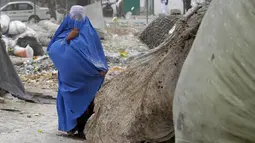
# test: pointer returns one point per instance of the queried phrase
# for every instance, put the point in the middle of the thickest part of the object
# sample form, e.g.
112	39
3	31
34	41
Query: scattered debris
23	52
39	70
37	114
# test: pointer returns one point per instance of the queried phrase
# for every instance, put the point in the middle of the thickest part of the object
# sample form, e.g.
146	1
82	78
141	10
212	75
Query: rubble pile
36	69
38	72
45	30
136	106
19	39
42	73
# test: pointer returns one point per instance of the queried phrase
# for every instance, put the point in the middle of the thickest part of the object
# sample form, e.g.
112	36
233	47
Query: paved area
22	122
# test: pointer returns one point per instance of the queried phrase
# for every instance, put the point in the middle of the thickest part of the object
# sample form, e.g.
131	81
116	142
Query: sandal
72	132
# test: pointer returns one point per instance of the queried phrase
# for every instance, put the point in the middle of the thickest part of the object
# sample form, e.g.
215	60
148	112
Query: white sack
17	27
48	25
4	21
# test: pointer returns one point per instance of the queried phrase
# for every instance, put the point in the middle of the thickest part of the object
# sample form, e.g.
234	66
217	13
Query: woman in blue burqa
77	54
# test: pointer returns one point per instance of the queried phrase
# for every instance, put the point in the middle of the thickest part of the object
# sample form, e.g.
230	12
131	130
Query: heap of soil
136	106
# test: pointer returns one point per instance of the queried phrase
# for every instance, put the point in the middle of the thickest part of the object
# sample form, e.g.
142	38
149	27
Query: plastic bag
214	97
4	22
24	52
17	27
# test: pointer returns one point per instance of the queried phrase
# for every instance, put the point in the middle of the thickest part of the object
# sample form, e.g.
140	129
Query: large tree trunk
137	105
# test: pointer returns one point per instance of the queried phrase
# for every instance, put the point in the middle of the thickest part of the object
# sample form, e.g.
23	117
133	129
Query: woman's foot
81	135
72	132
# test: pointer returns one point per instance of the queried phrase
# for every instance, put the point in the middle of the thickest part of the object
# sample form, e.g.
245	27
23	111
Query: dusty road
29	123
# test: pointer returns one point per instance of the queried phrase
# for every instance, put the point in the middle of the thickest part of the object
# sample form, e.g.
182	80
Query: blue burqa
79	64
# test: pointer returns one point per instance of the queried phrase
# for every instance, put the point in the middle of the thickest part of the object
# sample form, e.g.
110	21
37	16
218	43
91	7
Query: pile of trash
19	39
29	39
41	72
37	72
37	69
136	106
45	30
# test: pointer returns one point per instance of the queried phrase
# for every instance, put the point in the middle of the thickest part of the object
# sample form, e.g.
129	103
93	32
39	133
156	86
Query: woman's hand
102	73
74	33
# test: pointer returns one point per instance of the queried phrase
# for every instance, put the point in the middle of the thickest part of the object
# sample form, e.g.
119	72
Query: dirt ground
25	122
